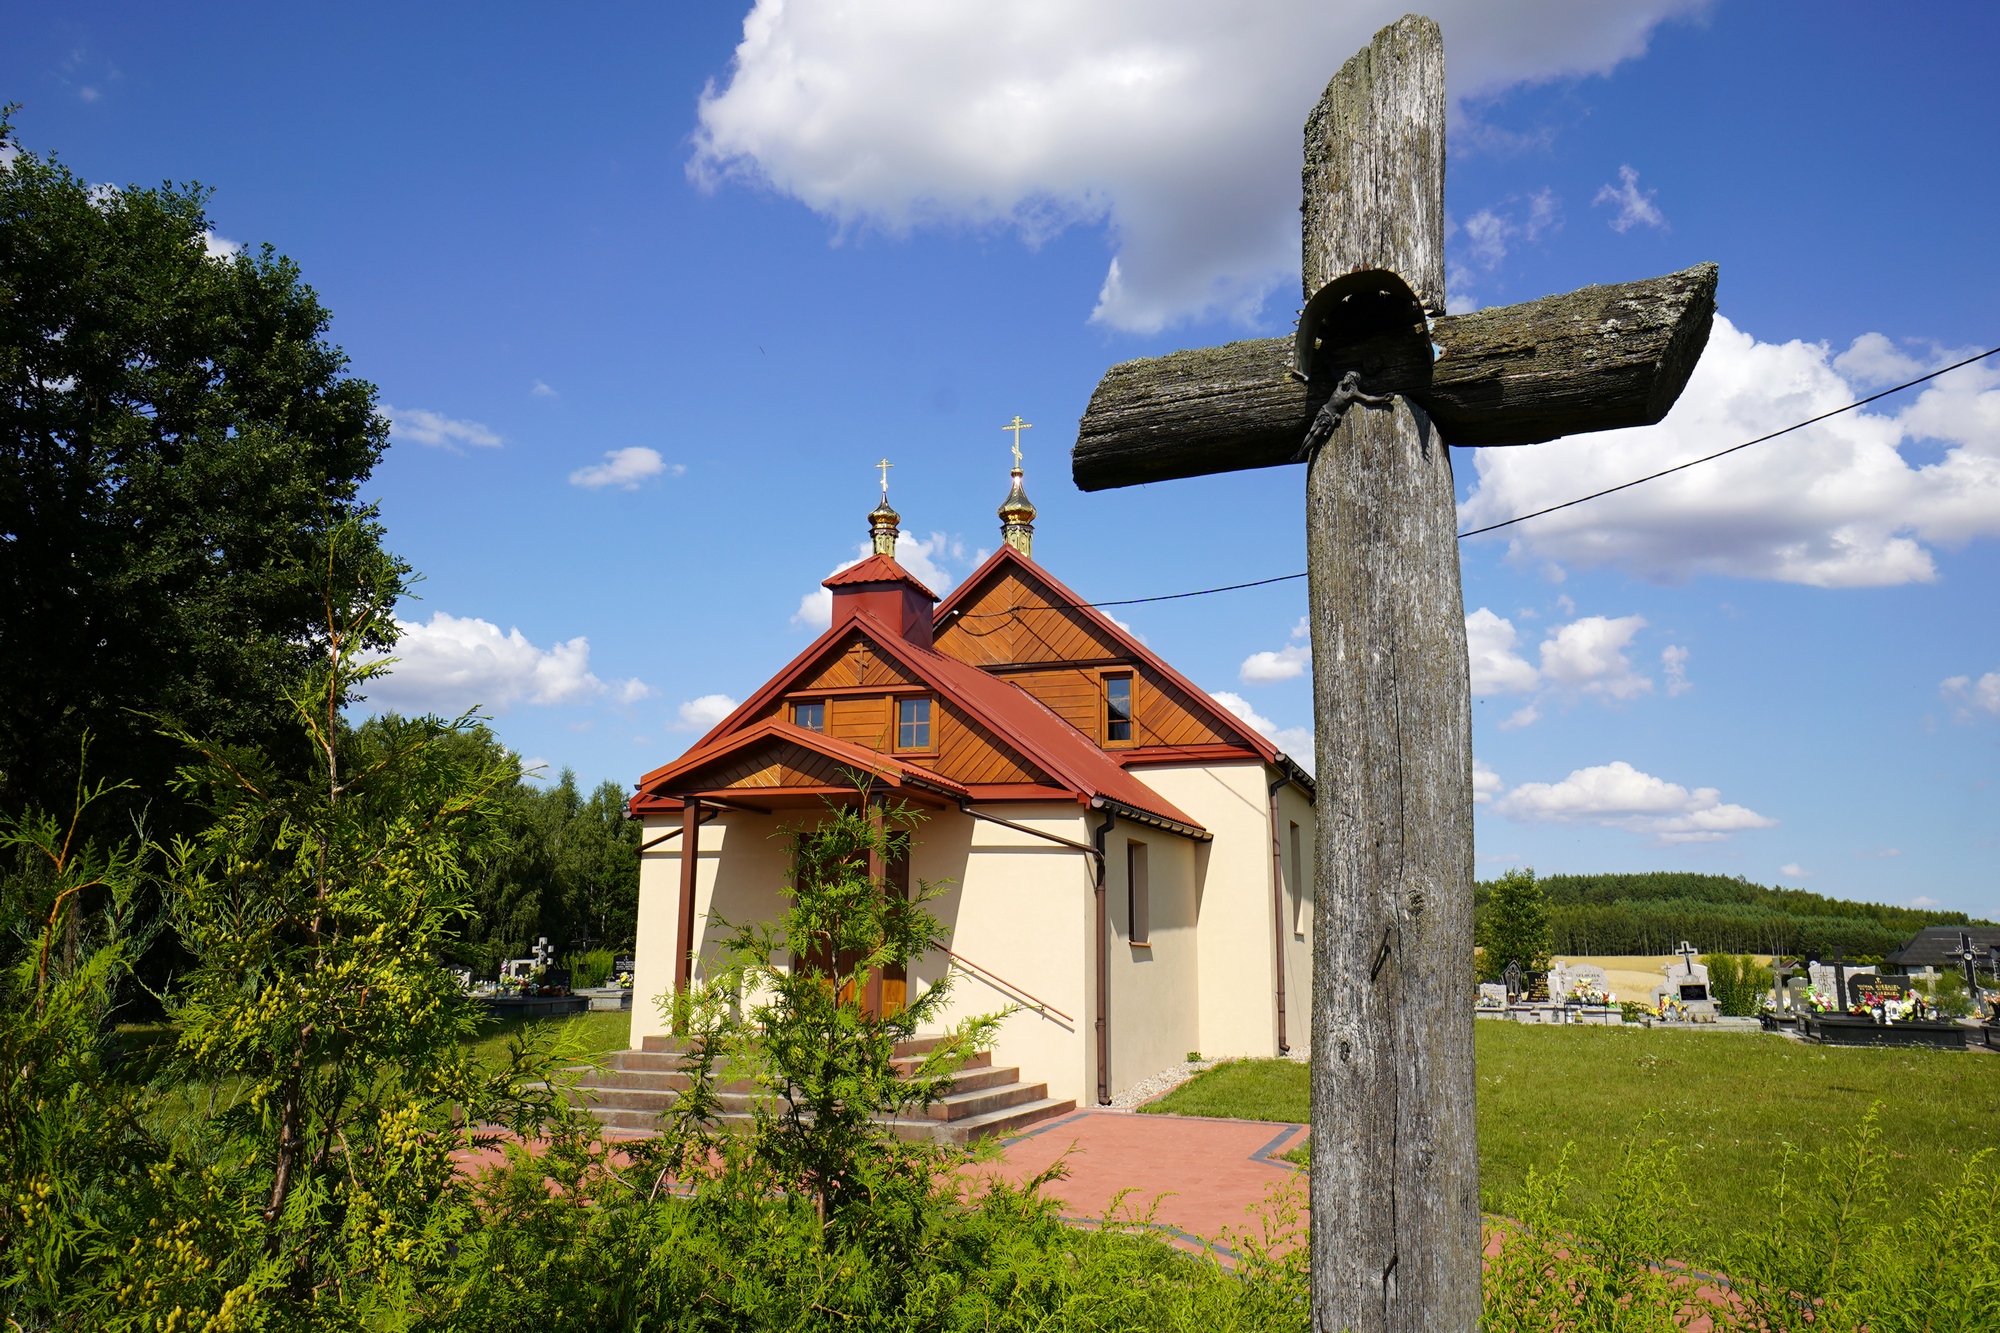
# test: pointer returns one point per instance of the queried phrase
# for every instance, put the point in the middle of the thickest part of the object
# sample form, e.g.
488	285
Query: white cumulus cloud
219	247
1486	784
1968	694
1674	665
423	426
919	556
623	468
1633	207
1296	743
1496	668
1793	870
451	663
1286	663
1177	123
1584	658
1587	657
1617	795
702	713
1835	505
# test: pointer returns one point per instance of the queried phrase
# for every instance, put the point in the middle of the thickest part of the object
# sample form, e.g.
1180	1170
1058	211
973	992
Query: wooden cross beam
1395	1170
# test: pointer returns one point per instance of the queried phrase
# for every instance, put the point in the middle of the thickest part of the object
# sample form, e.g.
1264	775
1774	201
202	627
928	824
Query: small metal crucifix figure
1368	393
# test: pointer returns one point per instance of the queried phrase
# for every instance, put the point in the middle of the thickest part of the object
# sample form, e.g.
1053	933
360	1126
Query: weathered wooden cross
1377	381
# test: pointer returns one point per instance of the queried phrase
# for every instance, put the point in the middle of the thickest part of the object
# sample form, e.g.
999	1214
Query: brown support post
1278	911
878	875
690	855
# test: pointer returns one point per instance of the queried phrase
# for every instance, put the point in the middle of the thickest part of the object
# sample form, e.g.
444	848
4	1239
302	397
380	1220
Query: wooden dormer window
913	724
1117	708
810	717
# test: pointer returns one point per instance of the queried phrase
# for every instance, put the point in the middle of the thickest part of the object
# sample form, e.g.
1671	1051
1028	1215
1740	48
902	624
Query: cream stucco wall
1022	908
1155	1005
739	870
1238	943
1019	907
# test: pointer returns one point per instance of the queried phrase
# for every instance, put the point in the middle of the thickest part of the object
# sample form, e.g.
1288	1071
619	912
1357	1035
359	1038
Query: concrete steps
985	1099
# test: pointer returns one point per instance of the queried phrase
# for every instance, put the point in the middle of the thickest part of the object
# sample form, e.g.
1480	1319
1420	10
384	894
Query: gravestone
1687	985
1565	977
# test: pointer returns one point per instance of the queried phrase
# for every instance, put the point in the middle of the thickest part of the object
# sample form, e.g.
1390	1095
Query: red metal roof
1017	717
893	772
876	569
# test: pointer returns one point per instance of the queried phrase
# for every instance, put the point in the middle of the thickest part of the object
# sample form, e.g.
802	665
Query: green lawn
598	1034
1728	1100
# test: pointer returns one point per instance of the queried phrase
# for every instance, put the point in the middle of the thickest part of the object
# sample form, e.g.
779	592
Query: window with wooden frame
1118	708
810	716
1297	868
1138	894
913	724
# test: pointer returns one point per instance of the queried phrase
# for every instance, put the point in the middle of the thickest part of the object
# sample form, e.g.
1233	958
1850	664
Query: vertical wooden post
1395	1172
878	875
690	858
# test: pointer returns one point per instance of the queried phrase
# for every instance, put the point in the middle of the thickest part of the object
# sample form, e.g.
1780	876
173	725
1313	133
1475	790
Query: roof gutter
1137	816
1103	932
1298	777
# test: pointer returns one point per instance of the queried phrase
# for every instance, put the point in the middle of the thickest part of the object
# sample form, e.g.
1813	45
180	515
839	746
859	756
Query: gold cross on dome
883	467
1017	426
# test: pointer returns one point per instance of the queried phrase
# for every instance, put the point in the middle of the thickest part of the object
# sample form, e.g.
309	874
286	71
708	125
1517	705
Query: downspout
1103	1024
1278	908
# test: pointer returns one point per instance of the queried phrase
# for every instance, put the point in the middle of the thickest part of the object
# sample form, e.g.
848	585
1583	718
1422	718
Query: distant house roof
1928	947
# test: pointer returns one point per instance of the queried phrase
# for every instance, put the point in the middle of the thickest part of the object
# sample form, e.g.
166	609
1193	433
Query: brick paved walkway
1206	1174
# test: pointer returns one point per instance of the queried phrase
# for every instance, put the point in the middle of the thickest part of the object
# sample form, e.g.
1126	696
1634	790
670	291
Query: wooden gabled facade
1128	853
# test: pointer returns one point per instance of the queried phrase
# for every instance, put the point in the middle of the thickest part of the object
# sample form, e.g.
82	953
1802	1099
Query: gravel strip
1160	1084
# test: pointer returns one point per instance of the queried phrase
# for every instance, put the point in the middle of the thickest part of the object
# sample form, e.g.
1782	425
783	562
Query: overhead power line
1709	458
1537	513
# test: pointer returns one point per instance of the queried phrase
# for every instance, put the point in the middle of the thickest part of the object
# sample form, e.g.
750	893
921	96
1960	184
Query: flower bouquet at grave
1587	992
1819	1001
624	979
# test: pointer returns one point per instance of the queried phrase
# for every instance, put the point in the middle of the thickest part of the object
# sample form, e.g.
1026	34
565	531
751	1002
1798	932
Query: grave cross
1688	953
1968	955
1373	386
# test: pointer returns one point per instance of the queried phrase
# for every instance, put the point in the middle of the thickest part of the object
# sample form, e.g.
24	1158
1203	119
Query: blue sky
649	307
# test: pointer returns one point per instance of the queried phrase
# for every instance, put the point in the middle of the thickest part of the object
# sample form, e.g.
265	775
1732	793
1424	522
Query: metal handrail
996	979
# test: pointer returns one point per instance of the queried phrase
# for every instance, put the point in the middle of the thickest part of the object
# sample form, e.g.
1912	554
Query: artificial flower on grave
625	980
1585	992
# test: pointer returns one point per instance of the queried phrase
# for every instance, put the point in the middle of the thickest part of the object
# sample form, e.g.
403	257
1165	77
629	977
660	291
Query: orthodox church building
1129	862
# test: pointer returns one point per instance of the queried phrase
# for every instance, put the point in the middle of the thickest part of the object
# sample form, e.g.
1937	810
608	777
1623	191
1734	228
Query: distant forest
1653	913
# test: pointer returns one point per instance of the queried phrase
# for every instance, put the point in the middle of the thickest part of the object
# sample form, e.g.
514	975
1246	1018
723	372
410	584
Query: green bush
589	969
1737	984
